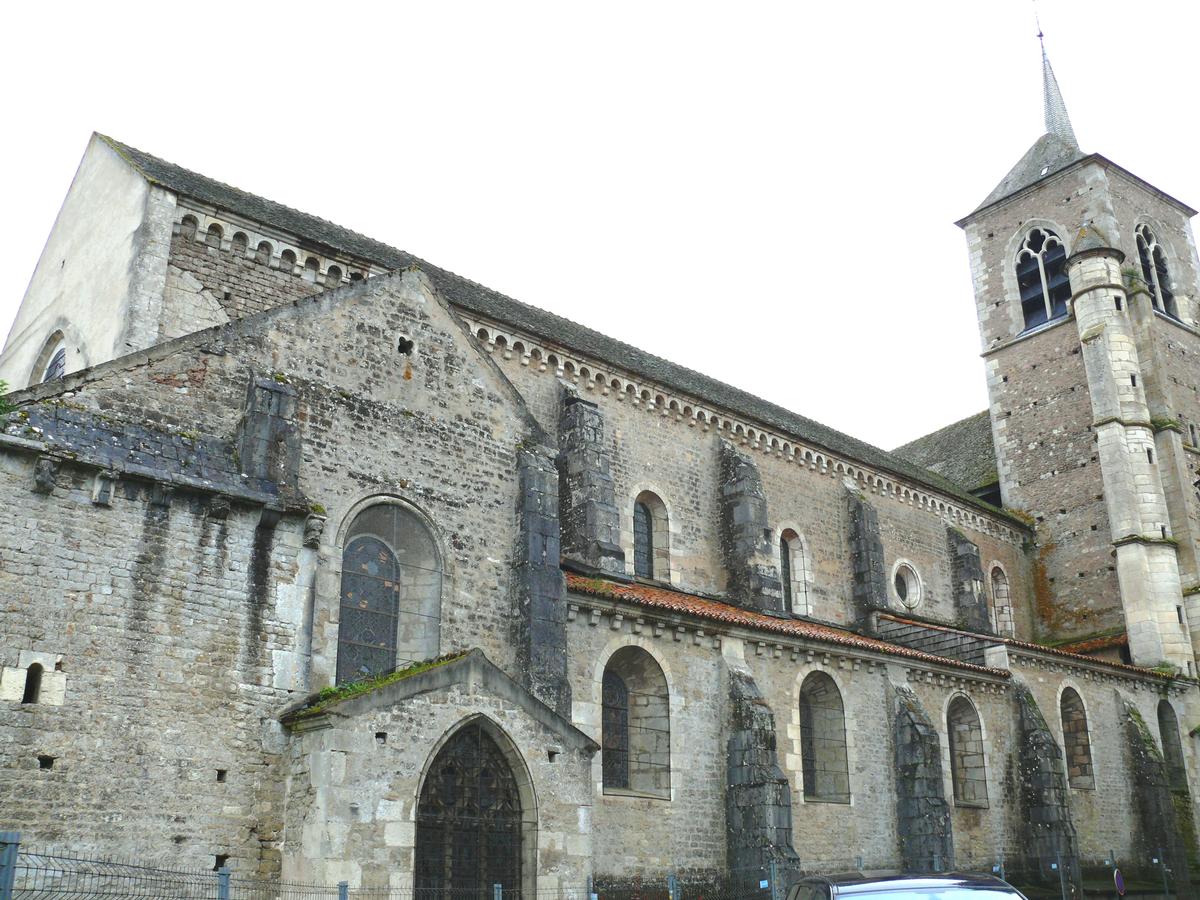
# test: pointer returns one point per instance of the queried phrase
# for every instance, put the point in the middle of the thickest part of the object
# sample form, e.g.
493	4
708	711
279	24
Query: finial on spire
1058	123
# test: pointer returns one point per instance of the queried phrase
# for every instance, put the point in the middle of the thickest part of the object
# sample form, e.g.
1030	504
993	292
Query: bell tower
1091	353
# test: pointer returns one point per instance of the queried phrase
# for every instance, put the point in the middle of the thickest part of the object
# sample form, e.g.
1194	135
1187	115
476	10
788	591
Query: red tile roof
713	610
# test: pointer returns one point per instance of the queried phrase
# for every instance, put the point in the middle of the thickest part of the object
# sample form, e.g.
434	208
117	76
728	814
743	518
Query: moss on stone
327	697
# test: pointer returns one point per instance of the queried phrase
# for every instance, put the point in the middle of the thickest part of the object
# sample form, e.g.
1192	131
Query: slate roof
1048	155
482	301
962	452
1053	651
201	461
713	610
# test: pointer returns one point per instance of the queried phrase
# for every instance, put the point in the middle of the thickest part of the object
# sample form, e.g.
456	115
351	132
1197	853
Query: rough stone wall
194	628
590	522
922	813
209	285
356	775
171	663
679	460
967	579
1049	833
746	544
758	801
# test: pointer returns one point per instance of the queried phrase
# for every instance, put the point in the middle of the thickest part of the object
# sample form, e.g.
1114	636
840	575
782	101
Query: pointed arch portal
469	820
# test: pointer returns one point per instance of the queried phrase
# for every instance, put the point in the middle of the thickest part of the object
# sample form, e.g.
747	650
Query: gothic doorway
470	828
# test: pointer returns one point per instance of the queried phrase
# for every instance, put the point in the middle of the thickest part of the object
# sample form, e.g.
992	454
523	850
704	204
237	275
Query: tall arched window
1077	746
967	769
1002	603
1168	730
794	572
1154	271
1042	277
33	684
651	538
635	725
391	593
825	770
470	820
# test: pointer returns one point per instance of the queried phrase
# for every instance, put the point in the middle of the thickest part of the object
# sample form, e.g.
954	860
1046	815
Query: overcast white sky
762	191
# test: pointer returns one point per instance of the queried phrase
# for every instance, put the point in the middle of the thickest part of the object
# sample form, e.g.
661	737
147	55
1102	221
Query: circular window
907	585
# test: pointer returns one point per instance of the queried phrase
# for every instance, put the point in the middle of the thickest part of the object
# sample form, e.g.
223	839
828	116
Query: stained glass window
390	594
643	541
615	728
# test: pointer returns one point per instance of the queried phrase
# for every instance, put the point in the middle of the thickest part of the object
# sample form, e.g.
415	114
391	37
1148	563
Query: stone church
324	563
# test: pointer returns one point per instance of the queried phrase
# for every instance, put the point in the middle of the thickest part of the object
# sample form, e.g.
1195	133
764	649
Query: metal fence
31	875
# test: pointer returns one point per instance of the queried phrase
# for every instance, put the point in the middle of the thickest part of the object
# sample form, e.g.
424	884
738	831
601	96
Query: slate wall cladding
967	580
1049	832
1164	817
758	797
746	544
591	524
541	617
866	548
922	813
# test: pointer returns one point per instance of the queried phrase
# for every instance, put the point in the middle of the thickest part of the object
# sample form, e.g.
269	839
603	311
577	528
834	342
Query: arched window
794	572
635	725
823	740
1042	277
263	253
333	276
57	366
470	820
188	226
311	267
651	549
1154	272
287	262
33	684
1077	746
213	237
391	593
1002	603
967	770
239	242
1168	730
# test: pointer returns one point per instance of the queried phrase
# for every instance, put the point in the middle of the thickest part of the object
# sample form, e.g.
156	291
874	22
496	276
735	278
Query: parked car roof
852	884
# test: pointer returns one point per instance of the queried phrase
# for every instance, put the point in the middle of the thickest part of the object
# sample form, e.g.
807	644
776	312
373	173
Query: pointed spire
1058	123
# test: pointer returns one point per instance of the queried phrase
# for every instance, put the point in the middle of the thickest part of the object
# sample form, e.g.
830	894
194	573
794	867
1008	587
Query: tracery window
1002	603
651	538
635	725
1172	747
1154	271
1042	277
967	770
794	572
390	593
824	766
469	820
1077	746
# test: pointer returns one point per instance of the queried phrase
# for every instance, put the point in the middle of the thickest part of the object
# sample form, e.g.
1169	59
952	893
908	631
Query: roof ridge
489	303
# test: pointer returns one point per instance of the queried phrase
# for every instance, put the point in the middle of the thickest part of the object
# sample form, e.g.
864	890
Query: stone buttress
922	813
745	538
590	521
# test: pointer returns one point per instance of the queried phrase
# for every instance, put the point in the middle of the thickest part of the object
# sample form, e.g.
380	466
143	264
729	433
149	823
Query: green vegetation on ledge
326	697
